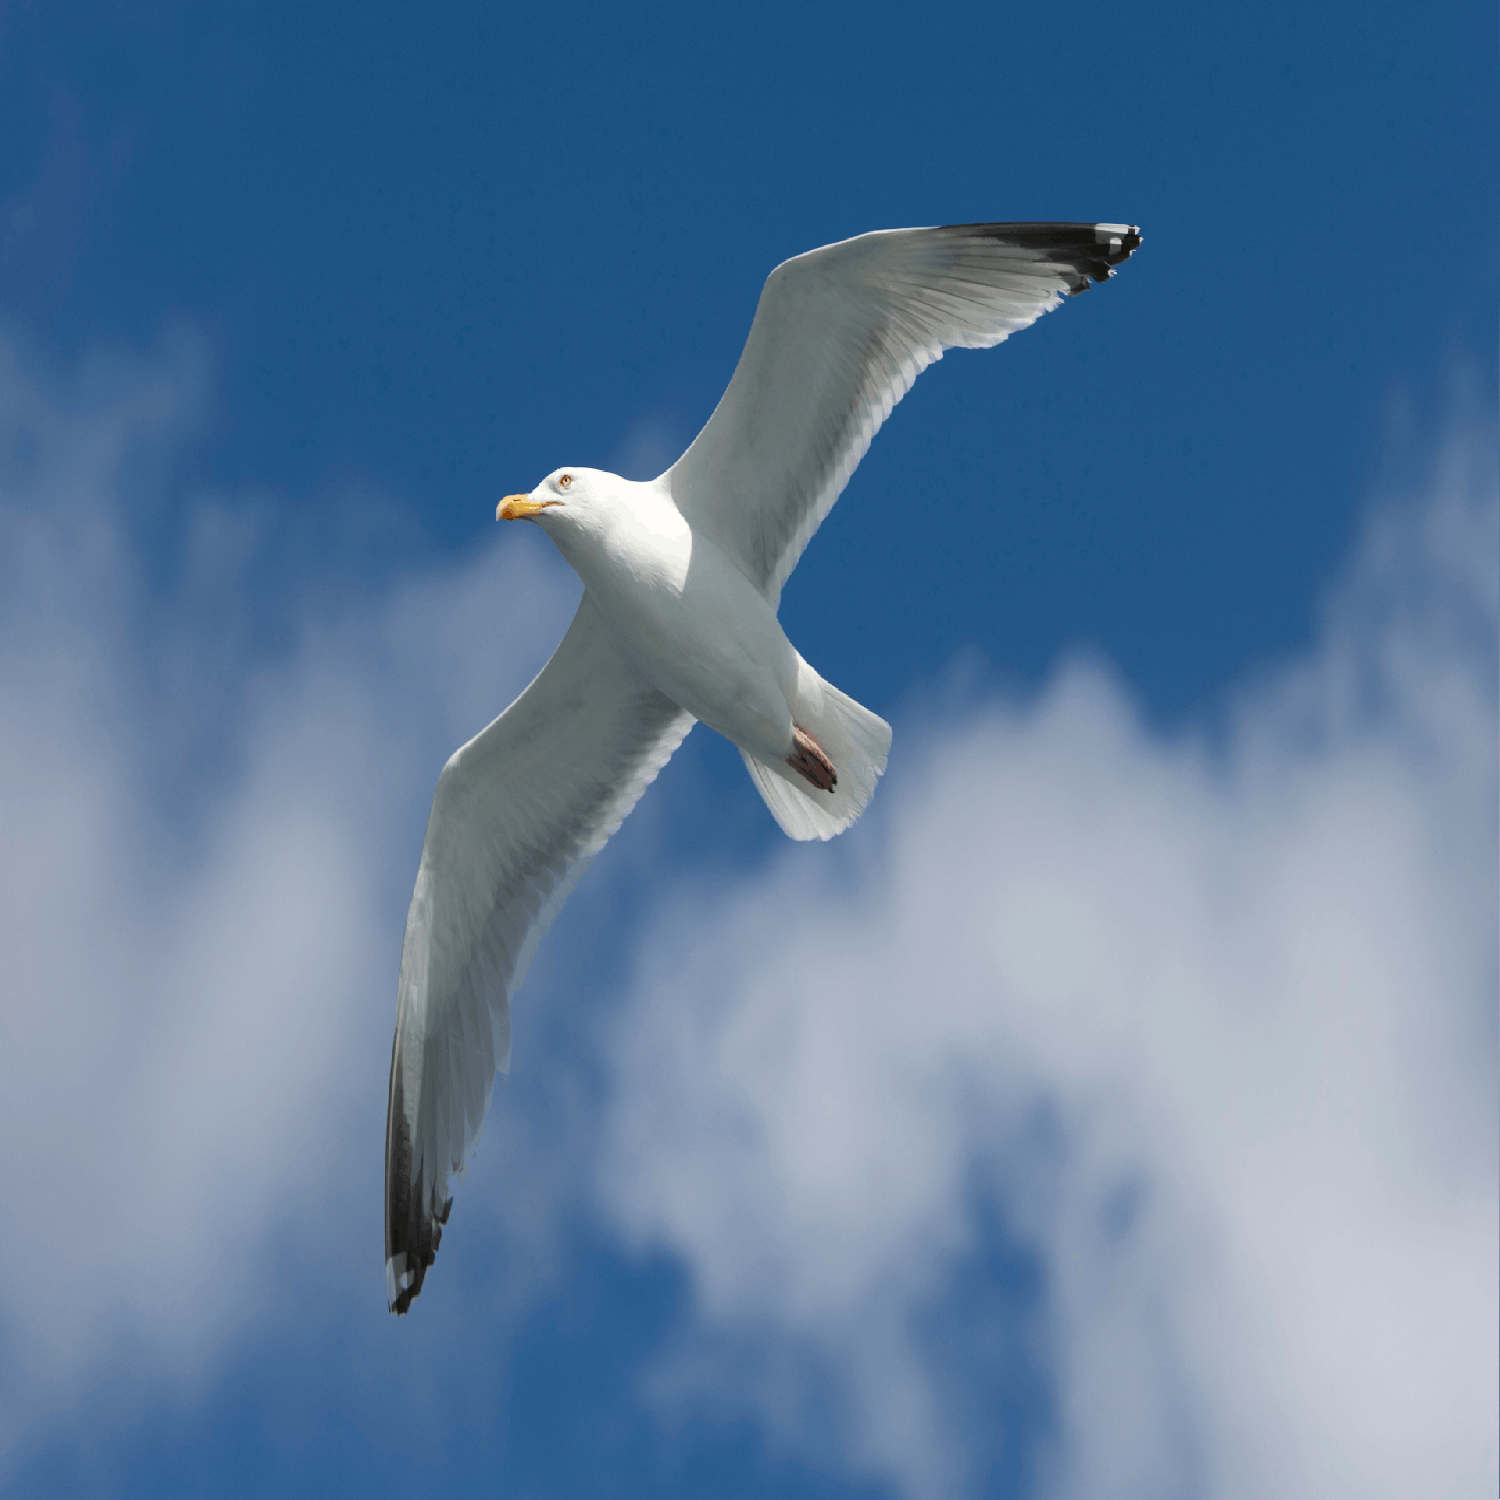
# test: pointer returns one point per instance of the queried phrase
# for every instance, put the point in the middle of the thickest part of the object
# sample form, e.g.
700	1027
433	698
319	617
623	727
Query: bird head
570	494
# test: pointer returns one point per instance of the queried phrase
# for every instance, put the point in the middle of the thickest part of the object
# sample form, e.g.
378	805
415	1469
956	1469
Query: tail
854	739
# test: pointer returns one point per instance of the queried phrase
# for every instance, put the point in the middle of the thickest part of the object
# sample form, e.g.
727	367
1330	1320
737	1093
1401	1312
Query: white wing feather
518	814
838	338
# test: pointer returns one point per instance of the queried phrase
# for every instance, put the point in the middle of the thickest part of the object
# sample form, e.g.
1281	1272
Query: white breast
692	622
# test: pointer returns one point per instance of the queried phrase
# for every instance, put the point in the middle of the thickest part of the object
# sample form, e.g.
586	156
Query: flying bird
682	579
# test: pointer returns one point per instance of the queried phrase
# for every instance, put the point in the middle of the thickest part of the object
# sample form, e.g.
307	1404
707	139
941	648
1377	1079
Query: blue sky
1124	1125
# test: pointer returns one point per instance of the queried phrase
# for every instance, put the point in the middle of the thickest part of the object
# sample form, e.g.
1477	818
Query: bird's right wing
518	814
839	336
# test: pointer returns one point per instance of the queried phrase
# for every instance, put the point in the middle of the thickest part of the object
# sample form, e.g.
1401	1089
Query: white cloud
207	851
1214	1026
1213	1018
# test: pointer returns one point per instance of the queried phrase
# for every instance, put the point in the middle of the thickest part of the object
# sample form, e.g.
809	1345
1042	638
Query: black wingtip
413	1218
411	1247
1088	253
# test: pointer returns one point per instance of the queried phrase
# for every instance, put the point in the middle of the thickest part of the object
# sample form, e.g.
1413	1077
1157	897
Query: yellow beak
521	508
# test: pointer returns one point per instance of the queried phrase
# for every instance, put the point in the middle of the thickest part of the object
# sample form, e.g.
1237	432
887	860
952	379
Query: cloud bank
1207	1023
205	845
1156	1075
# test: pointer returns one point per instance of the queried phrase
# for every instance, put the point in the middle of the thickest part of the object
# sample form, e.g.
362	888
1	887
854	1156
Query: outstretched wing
518	814
838	338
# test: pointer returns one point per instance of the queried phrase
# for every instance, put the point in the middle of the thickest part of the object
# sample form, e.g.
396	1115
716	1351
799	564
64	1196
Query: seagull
682	579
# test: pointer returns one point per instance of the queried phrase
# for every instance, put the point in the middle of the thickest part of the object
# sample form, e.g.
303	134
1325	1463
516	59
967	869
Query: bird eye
564	480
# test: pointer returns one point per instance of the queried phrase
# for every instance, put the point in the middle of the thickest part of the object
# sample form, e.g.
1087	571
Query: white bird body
695	626
682	581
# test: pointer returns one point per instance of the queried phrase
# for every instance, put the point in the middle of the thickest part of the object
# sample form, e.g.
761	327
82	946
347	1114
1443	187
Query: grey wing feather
838	338
518	814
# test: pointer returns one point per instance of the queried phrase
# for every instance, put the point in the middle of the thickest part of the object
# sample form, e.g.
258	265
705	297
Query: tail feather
854	739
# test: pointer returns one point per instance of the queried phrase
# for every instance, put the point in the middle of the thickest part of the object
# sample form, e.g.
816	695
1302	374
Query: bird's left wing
839	336
518	814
